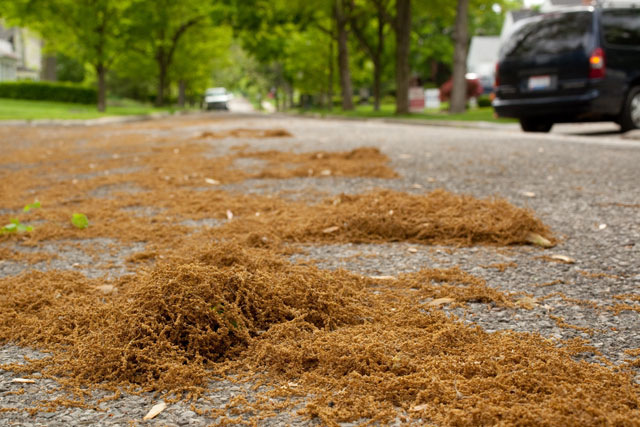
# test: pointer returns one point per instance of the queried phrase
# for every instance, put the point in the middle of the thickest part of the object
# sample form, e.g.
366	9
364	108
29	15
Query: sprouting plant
30	206
15	226
79	220
219	308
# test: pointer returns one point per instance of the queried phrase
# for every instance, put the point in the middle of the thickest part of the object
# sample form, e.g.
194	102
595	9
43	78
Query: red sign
416	99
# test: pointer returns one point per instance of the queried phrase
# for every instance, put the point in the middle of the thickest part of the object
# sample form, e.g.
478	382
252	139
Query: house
20	54
512	17
553	5
481	60
8	61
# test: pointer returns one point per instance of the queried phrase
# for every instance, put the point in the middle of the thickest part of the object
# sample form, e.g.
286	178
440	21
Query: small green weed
79	220
31	206
15	226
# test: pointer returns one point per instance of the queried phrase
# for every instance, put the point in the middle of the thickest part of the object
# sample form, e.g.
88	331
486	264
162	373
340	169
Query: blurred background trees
306	53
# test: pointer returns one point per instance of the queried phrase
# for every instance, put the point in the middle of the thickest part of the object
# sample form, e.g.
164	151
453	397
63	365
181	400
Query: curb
95	122
633	134
403	121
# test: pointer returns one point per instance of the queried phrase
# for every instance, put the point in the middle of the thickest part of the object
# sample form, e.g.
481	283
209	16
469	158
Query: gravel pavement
586	188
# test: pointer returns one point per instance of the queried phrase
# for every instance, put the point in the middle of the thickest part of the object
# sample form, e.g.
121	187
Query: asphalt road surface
585	187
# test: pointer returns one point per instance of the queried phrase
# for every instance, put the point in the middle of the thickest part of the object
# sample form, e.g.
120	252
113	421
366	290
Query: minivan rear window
550	35
621	27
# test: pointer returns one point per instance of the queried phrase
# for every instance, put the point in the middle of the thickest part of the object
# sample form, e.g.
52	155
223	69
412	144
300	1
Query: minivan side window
551	35
621	27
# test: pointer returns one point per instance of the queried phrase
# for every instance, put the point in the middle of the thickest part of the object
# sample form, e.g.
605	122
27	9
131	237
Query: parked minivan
576	65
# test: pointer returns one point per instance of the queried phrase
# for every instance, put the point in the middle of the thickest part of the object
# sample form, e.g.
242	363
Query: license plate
539	82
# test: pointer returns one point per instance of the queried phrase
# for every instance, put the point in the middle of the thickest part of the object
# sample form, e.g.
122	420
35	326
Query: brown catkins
353	352
209	292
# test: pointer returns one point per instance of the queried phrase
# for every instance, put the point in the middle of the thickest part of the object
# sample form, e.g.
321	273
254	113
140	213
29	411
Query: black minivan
576	65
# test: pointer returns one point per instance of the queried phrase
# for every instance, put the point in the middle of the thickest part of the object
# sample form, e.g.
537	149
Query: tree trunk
330	82
49	65
290	94
377	69
403	40
434	71
181	93
459	88
162	77
101	70
377	63
343	57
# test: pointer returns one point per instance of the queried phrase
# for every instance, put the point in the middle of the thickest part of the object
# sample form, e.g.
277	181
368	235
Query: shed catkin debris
247	133
356	347
439	217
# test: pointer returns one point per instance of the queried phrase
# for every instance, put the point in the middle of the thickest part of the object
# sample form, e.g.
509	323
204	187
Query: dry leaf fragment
212	181
153	412
106	289
412	250
528	194
563	258
331	229
325	172
440	301
229	215
416	186
384	277
405	156
458	394
602	226
419	408
526	302
538	240
23	381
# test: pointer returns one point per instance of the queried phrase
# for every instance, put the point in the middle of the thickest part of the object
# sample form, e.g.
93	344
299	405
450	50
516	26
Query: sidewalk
98	121
408	121
602	129
592	130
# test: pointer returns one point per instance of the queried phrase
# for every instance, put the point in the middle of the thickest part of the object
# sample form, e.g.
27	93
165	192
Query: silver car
217	98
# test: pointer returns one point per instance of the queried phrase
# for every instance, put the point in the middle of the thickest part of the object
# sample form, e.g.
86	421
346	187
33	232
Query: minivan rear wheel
631	112
535	125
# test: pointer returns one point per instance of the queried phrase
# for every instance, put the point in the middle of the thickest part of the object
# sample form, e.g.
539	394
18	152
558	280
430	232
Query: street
150	188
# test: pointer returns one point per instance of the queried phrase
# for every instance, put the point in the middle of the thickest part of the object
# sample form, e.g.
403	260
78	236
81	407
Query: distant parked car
576	65
217	98
474	88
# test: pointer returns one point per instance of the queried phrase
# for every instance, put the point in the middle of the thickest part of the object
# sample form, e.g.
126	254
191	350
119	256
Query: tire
535	125
630	118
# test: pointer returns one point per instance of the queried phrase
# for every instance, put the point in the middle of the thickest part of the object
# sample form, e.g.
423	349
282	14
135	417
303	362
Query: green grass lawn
19	109
484	114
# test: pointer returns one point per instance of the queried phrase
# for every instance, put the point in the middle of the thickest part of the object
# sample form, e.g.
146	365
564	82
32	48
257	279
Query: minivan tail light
596	64
496	82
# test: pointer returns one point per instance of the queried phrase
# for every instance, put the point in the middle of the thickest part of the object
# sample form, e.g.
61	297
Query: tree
459	89
158	28
265	27
402	26
292	40
196	58
360	22
91	31
341	20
